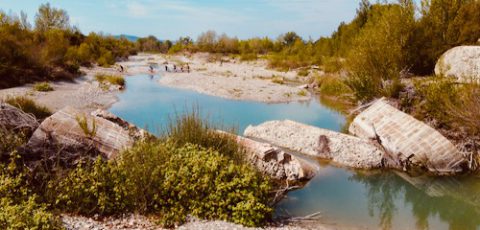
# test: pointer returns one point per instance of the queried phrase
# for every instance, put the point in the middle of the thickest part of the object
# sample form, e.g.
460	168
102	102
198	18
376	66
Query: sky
170	19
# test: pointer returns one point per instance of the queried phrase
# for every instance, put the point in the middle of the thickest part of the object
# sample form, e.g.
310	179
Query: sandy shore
233	80
141	222
83	93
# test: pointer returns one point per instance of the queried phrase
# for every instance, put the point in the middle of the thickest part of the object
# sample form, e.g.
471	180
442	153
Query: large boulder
406	139
342	149
276	162
14	119
462	62
62	134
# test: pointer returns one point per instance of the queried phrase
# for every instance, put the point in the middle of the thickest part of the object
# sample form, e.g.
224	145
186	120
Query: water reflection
451	200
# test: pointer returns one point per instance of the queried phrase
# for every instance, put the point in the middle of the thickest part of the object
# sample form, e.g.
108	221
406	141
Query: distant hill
128	37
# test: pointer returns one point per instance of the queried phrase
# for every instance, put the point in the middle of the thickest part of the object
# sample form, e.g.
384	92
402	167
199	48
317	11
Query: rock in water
342	149
462	62
407	139
277	163
14	119
62	134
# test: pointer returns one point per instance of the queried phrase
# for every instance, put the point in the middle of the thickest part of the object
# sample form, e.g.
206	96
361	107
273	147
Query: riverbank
250	81
232	79
142	222
222	77
83	93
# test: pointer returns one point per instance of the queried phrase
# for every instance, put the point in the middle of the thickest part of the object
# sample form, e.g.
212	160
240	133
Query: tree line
383	41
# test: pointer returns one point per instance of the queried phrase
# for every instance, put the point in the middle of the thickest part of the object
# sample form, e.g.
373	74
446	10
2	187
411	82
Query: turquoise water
371	200
148	104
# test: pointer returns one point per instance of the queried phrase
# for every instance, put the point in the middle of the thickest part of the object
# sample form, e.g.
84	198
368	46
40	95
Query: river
362	199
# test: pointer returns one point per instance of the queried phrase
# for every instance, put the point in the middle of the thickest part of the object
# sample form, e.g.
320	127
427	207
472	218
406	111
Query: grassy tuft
303	73
191	128
43	87
278	80
112	79
302	93
27	105
83	123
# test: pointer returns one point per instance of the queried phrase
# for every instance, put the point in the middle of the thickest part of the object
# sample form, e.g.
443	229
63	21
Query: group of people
175	69
183	68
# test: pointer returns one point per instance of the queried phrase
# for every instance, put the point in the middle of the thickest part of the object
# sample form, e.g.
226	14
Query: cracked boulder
407	140
72	135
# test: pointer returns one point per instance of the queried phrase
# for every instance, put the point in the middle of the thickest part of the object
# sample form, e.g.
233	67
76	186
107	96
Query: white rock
342	149
462	62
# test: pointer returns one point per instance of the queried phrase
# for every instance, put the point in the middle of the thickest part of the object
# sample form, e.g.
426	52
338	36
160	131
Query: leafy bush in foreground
18	206
160	178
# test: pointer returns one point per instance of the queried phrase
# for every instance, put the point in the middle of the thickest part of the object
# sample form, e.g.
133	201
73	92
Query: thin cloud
137	9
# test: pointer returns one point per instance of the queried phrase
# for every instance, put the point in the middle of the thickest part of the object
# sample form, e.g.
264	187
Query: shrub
18	206
465	111
112	79
10	141
333	85
303	73
248	57
26	215
29	106
278	80
43	87
364	87
332	64
302	93
160	178
435	93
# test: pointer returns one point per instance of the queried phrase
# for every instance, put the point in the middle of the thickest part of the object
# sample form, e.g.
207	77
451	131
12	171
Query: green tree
51	18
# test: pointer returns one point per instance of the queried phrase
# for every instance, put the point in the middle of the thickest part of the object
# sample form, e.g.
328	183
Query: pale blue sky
170	19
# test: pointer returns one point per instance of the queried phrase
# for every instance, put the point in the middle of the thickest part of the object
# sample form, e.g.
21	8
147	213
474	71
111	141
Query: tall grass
192	128
27	105
43	87
112	79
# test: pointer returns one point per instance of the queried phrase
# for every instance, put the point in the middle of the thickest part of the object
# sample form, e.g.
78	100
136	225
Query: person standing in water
188	68
151	68
174	68
121	68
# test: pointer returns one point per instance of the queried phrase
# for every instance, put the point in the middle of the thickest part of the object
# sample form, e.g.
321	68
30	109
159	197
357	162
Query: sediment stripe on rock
407	138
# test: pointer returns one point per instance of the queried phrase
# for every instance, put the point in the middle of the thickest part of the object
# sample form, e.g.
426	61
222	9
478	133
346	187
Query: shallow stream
366	200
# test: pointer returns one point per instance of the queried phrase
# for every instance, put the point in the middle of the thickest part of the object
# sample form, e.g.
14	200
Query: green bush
27	105
303	73
435	93
248	57
26	215
302	93
42	87
10	141
161	178
333	85
278	80
332	64
18	205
